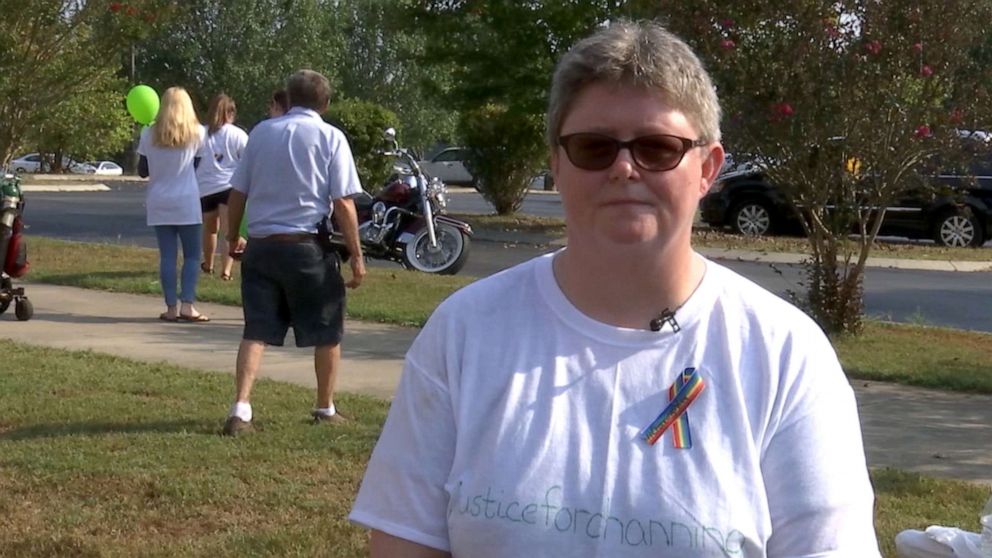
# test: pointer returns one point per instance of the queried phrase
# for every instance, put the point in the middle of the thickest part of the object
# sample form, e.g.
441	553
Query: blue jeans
169	237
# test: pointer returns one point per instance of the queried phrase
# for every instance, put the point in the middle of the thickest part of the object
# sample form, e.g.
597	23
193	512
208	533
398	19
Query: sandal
198	318
205	269
225	277
164	316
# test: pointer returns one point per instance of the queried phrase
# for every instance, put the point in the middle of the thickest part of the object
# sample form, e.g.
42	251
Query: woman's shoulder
498	292
234	130
760	308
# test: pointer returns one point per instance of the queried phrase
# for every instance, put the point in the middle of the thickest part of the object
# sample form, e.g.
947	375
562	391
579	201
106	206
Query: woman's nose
623	166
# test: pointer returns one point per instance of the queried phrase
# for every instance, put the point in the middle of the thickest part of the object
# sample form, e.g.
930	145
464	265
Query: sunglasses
596	152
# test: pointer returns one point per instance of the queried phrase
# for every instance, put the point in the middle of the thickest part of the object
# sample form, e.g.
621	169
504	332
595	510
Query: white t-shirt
219	156
172	196
515	431
292	169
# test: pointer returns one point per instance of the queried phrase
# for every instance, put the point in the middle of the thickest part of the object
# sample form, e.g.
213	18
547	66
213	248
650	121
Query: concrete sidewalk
931	432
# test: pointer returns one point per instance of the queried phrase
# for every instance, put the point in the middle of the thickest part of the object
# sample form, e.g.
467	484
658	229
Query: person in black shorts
219	156
296	170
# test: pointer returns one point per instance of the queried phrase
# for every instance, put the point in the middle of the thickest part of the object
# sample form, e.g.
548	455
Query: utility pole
132	155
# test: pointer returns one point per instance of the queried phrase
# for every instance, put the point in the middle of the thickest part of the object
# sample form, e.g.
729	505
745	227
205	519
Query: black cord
666	317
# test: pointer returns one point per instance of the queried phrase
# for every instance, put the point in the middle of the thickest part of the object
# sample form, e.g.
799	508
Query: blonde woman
168	159
219	156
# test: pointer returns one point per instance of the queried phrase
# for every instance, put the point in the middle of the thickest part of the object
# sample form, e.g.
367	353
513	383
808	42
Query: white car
33	162
449	166
107	168
26	163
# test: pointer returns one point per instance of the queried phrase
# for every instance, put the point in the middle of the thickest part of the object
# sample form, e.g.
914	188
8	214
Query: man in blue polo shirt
295	171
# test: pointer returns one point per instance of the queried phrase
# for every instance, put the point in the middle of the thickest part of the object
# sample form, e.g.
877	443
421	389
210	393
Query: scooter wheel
5	286
23	309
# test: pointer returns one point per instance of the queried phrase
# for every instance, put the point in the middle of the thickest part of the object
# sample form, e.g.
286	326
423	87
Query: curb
92	187
483	235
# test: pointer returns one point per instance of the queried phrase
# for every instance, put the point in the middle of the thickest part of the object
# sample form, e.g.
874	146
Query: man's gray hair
308	89
640	54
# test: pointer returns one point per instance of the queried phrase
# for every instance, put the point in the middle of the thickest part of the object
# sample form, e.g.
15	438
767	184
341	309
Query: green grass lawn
102	456
912	354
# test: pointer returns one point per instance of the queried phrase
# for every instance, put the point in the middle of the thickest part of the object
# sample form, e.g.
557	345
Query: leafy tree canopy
53	50
245	48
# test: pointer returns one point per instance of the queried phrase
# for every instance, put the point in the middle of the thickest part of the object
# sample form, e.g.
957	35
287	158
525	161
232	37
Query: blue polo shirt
293	167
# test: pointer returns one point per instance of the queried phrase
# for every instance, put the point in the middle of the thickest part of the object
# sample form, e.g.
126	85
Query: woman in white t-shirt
623	396
219	155
172	202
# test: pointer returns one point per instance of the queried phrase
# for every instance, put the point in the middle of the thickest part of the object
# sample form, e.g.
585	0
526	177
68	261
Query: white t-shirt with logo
219	156
515	431
172	196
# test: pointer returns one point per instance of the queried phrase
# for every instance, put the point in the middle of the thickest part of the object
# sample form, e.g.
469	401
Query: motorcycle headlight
378	212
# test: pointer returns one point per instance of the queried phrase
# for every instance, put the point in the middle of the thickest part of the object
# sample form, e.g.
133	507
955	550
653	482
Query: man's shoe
336	418
235	427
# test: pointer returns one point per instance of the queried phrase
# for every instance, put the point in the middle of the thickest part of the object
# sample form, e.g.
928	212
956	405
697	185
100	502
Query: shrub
508	150
364	122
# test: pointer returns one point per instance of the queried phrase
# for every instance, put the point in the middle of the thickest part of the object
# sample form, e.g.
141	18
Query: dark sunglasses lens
591	151
658	152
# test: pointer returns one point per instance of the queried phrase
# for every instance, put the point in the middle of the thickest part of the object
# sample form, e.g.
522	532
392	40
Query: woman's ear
713	156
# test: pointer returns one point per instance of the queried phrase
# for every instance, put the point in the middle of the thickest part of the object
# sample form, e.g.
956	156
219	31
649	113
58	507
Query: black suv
957	213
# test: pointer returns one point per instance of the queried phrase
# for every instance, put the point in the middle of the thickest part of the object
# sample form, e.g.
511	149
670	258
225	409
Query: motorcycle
13	250
405	221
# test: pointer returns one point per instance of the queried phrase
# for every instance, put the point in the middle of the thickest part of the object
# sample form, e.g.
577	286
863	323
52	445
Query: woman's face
625	204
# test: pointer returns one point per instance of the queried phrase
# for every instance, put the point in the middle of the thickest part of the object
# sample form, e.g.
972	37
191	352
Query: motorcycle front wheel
447	258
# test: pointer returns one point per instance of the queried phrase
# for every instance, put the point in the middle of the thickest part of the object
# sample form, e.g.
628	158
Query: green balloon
142	103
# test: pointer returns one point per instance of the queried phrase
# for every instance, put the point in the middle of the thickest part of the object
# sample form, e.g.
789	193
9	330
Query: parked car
31	162
34	162
955	210
449	165
108	168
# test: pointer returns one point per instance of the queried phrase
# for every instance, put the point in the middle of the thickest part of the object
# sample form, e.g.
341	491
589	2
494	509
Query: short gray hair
640	54
309	89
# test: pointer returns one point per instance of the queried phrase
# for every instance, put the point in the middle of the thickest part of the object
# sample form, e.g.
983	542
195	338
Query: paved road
961	300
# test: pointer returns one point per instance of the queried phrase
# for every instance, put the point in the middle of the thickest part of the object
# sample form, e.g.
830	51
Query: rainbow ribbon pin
686	388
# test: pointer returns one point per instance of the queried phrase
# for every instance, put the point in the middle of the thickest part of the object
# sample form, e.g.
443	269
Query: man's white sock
326	411
242	410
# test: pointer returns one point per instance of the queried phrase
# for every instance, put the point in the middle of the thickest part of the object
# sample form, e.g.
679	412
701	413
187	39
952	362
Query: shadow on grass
944	380
79	279
94	429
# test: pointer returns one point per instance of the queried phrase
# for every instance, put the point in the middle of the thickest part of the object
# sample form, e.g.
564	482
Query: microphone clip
666	317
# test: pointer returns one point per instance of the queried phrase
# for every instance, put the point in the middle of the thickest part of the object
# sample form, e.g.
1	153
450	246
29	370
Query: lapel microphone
666	317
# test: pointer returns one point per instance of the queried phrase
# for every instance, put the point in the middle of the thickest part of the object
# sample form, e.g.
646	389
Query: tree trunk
835	290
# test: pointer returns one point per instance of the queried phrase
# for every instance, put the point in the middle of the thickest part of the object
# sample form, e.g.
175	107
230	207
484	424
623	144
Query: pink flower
781	111
874	47
926	70
728	44
922	131
115	7
917	47
726	23
832	31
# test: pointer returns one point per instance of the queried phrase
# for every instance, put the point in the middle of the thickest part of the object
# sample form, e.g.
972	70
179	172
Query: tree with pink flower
884	84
